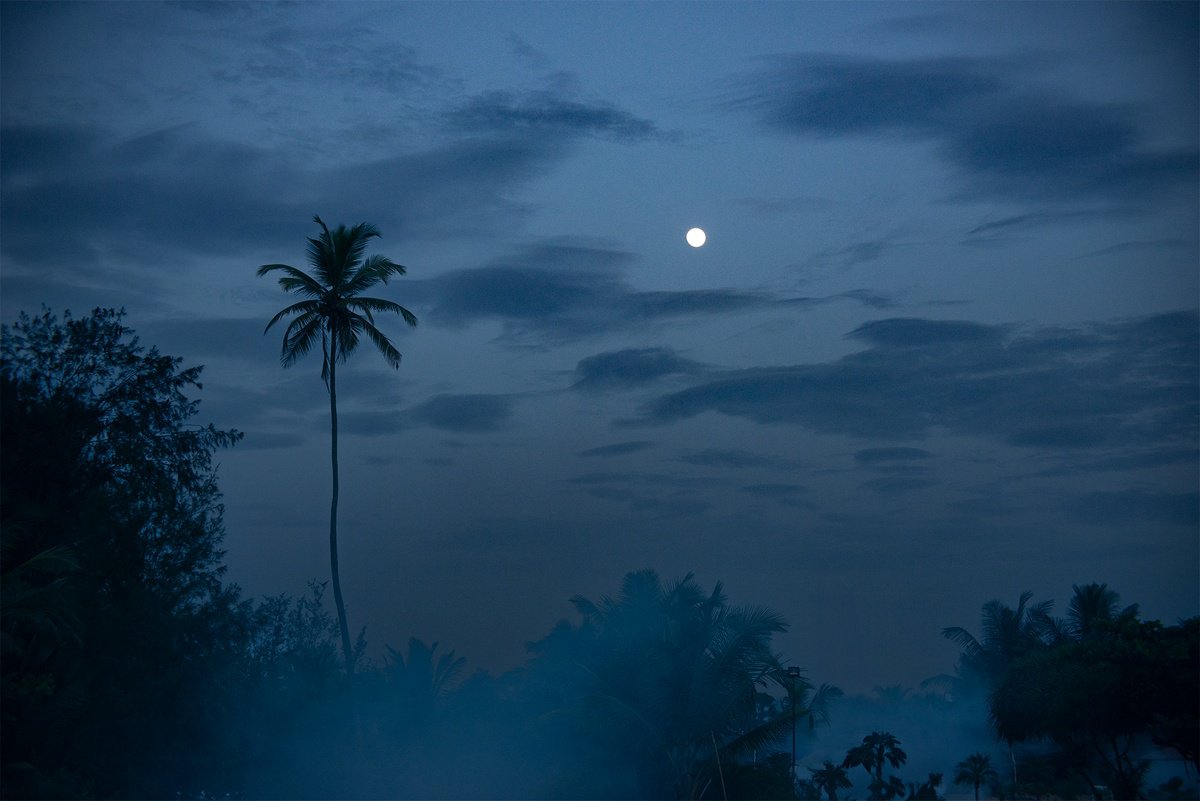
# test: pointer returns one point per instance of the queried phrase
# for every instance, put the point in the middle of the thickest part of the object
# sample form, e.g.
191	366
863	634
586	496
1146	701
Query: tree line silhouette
131	669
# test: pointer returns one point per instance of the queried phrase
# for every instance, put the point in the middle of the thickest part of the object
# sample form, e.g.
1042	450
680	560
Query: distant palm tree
876	750
1092	607
674	670
421	683
976	770
927	790
335	314
1007	635
830	777
1093	604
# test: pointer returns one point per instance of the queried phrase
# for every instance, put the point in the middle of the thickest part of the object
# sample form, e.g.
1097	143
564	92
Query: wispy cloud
1007	138
552	291
633	367
1120	383
617	449
873	456
464	413
735	458
549	113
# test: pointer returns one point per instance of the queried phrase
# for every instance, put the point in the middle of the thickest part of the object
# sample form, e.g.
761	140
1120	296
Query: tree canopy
111	545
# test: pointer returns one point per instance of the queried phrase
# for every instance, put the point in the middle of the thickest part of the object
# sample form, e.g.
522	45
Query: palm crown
333	311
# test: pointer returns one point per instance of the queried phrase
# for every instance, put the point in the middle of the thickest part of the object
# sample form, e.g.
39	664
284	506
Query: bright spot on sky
696	237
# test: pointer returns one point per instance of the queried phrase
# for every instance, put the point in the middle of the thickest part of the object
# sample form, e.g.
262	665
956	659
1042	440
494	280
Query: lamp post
793	674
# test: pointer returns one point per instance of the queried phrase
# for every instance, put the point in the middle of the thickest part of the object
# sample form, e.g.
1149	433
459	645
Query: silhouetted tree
1007	635
417	684
976	770
876	750
1101	698
769	778
1093	605
667	676
118	636
830	777
335	314
927	790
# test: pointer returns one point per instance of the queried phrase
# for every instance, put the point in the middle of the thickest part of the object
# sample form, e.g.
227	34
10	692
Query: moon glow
696	237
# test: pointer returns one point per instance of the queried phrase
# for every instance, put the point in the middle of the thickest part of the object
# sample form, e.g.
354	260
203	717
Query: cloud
168	190
1128	461
726	457
630	478
664	508
549	113
774	490
617	449
369	424
1123	383
1185	246
531	294
904	333
630	368
873	456
464	413
178	193
1007	139
204	338
897	484
1003	229
569	289
1172	508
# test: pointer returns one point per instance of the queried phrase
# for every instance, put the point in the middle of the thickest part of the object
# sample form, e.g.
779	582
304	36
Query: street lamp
793	674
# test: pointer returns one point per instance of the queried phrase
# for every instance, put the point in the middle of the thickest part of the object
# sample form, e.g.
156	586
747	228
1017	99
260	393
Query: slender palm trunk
347	649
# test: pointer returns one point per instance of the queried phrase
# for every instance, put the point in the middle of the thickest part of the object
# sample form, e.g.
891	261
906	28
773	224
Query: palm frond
300	341
760	737
381	305
584	606
963	639
304	306
346	334
384	344
296	280
819	705
375	270
345	250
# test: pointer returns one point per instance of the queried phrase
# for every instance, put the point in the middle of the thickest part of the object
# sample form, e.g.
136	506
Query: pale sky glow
939	347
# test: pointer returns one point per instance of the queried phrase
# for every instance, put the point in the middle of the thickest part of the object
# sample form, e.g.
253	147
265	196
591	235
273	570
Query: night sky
940	347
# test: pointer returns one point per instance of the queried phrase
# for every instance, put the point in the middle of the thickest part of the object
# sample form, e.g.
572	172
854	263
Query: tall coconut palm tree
335	314
976	770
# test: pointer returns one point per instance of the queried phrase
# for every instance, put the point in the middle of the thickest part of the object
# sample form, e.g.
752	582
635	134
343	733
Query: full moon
696	237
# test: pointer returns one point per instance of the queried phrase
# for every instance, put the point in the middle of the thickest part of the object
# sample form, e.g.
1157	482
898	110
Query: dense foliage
668	676
1103	688
117	633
